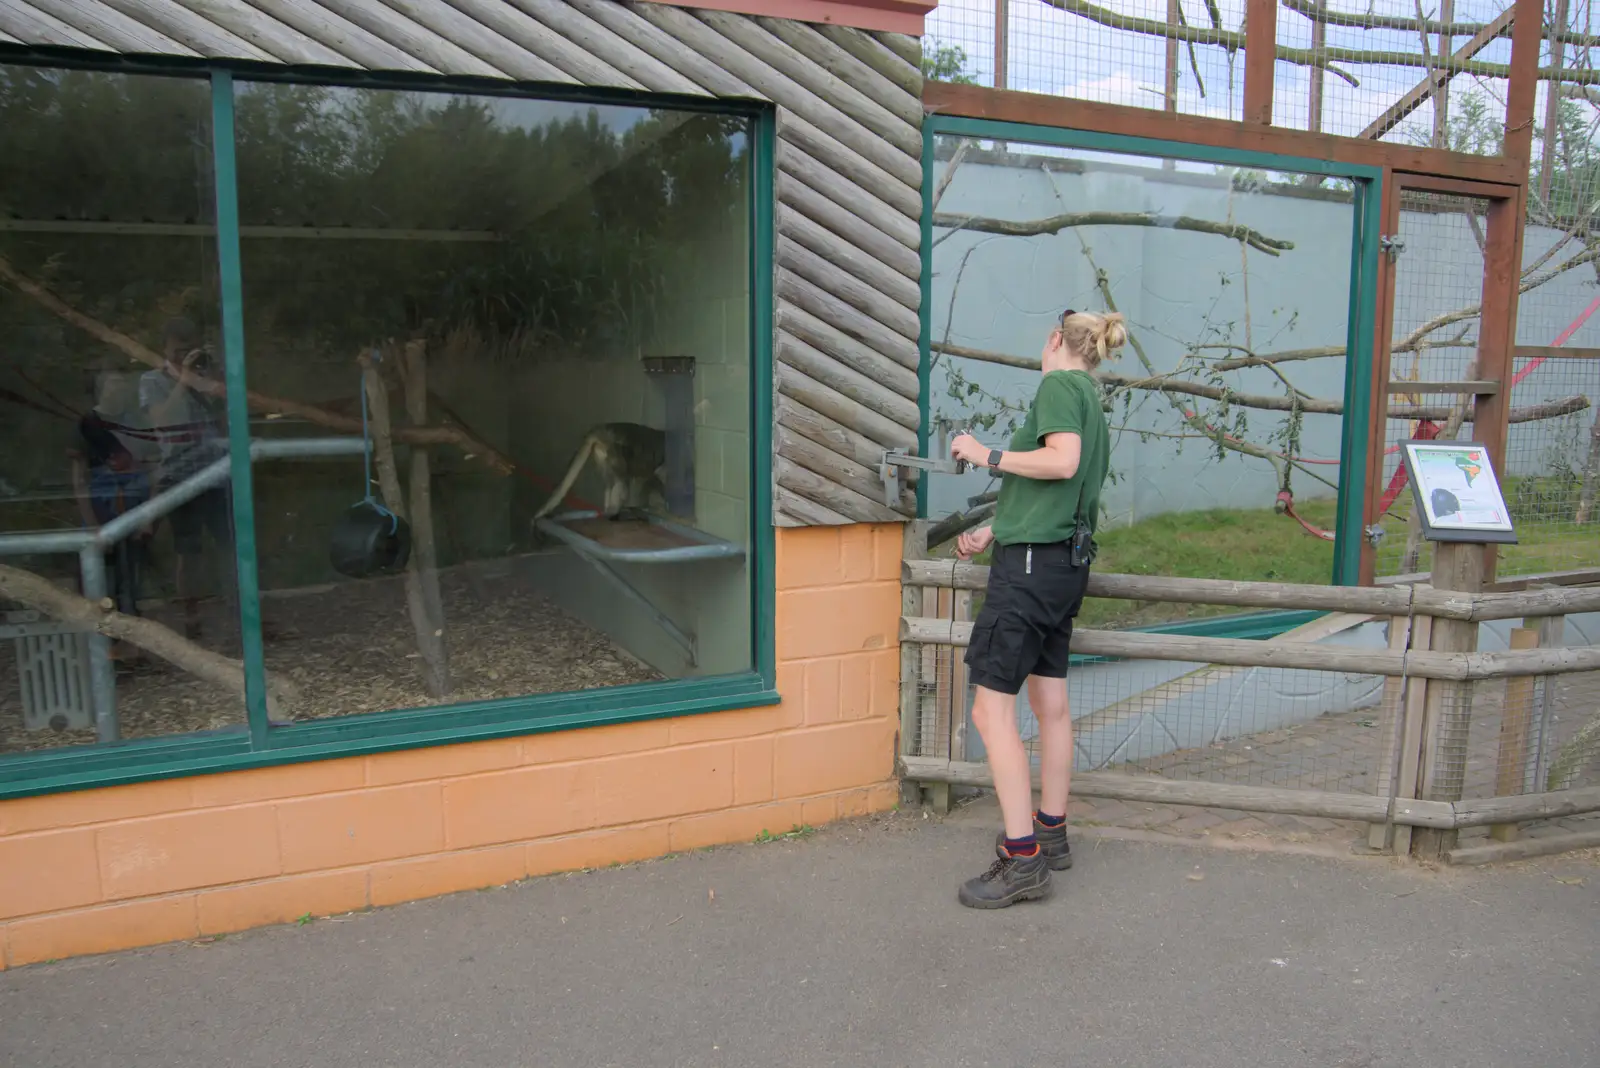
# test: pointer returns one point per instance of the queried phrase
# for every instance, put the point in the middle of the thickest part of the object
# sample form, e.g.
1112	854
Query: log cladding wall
848	182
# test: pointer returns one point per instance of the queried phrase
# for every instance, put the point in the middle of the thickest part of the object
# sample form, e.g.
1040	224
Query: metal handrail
91	545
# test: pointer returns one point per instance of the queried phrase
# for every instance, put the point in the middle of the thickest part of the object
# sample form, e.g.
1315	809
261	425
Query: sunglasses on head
1069	313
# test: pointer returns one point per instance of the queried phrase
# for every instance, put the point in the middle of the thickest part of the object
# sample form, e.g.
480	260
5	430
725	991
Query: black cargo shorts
1025	626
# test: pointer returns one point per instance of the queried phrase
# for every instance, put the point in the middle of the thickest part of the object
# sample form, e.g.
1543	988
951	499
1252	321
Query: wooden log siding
847	264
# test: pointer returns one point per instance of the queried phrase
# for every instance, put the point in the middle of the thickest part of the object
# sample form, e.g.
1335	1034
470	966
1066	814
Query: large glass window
110	389
1236	285
498	356
512	286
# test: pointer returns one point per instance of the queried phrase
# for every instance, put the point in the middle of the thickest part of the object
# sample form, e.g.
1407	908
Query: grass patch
1258	545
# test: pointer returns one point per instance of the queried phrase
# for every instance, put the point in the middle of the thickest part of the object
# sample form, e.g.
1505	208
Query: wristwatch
994	458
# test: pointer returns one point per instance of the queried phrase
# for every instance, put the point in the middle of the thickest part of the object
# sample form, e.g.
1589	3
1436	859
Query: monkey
632	460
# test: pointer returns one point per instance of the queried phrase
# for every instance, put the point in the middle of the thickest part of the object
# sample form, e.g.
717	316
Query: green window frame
1357	429
233	749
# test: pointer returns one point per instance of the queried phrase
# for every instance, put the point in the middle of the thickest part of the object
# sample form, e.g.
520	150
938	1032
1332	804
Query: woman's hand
974	542
968	448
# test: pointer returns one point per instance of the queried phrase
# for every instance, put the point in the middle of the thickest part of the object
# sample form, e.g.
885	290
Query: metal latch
1393	244
892	469
1374	535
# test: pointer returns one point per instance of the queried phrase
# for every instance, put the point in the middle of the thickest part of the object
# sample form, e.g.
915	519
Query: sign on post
1458	496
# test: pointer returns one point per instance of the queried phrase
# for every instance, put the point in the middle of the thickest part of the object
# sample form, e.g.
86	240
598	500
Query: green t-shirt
1046	510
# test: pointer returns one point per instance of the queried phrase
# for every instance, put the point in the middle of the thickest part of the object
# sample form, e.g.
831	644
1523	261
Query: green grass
1258	545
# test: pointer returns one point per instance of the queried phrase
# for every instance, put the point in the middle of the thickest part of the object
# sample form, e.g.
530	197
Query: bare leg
1049	700
995	716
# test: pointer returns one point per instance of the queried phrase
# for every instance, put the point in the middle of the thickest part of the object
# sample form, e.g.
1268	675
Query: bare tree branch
1056	223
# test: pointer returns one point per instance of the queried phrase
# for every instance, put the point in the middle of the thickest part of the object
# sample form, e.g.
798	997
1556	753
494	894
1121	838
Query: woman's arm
1057	459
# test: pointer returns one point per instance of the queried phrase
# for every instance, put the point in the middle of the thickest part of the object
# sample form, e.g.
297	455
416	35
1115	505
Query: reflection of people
182	403
1043	540
110	476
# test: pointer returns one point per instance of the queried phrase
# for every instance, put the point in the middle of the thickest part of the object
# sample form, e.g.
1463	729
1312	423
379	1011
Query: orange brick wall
99	870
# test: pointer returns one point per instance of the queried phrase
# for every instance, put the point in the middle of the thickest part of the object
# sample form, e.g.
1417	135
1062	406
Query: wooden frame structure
1502	181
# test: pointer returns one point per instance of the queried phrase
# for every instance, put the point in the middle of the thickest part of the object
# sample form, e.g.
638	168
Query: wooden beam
1480	387
976	101
1457	567
1382	360
1260	59
1526	33
1552	102
1502	260
1551	352
1436	81
1516	722
1540	806
1545	846
1151	790
1435	183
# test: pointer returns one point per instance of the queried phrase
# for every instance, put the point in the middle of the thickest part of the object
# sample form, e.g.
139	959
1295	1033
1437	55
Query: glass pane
1236	287
524	277
106	228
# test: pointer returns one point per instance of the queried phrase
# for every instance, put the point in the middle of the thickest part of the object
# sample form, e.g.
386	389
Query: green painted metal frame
1356	428
259	745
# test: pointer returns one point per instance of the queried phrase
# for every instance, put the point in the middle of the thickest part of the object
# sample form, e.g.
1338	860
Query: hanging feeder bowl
370	540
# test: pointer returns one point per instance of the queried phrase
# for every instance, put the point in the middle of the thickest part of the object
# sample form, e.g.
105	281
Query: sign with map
1457	494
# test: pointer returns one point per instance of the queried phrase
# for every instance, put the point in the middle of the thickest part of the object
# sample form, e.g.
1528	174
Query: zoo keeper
1043	541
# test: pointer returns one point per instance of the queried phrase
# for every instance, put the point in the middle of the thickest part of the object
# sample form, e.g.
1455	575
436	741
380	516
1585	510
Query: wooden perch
1169	383
1305	57
1056	223
429	643
473	447
424	541
42	595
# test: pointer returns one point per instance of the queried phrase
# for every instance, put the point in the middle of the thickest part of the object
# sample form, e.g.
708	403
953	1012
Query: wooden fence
1430	667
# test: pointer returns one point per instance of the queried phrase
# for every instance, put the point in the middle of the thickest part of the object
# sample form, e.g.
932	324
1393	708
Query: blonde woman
1042	535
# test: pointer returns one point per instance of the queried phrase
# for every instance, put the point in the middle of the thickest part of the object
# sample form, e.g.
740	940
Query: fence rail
1429	676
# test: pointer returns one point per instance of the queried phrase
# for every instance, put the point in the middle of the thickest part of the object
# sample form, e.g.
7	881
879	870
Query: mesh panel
1438	288
1373	70
1175	55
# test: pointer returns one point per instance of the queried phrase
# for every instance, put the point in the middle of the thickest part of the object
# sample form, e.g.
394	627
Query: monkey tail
569	478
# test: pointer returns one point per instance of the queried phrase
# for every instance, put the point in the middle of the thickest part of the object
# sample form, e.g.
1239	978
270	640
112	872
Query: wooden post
1002	16
914	547
935	700
1510	770
1527	32
1502	278
961	609
1260	59
1458	567
1382	356
1319	41
424	540
1552	105
1552	633
429	644
1391	721
1441	95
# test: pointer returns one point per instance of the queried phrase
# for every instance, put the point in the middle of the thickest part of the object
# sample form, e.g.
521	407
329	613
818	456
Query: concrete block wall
100	870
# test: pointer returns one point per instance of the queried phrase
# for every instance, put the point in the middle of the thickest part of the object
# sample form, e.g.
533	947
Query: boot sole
1059	863
1032	893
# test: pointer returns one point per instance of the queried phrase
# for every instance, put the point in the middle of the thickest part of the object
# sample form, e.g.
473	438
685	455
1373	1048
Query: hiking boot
1052	845
1009	880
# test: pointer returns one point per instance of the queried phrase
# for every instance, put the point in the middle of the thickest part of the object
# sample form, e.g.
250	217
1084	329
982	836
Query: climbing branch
1056	223
1171	382
42	595
474	448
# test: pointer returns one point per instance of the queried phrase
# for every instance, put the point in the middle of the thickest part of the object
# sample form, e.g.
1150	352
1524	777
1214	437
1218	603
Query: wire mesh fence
1166	55
1396	71
1438	288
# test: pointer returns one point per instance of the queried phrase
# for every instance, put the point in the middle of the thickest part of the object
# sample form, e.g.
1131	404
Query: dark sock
1048	821
1026	846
